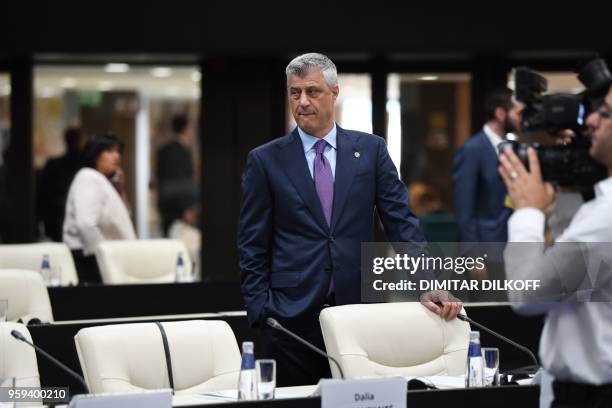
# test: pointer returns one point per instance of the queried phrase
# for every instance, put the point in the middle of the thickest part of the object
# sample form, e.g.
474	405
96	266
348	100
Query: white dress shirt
94	212
576	342
309	141
493	137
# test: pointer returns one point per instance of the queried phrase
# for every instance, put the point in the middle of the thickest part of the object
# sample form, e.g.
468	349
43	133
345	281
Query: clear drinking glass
265	378
490	356
3	310
55	277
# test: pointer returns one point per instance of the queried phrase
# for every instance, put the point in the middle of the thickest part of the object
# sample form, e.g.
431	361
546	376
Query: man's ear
500	114
335	91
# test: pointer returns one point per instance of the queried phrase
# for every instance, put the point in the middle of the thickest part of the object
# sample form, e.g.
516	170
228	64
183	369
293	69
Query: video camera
567	165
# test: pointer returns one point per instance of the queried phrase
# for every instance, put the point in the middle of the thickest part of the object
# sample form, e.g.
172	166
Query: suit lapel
490	155
346	168
293	160
487	142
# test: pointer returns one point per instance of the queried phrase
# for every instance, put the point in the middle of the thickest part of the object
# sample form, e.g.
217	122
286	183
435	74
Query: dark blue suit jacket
288	253
479	193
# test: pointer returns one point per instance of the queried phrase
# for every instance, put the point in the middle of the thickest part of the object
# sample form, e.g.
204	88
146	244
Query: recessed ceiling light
196	76
68	82
116	68
428	78
161	72
105	86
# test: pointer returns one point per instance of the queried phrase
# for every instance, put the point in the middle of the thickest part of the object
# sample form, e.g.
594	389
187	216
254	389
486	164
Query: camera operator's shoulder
588	224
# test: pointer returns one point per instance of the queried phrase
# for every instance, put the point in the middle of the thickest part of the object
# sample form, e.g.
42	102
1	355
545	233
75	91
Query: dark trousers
296	364
574	395
87	268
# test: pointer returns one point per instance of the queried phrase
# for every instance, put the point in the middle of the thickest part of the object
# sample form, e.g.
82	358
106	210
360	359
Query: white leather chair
127	357
29	256
393	339
140	261
17	359
26	294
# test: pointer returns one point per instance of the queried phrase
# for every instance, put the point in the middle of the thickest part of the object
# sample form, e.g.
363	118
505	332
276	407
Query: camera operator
576	295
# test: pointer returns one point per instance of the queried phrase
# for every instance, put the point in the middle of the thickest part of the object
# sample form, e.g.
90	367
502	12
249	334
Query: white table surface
186	400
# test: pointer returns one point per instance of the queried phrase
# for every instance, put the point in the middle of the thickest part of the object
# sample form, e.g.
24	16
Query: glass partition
152	110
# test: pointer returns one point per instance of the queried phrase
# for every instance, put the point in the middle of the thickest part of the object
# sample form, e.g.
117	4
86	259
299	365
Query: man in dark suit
479	192
175	175
55	180
308	204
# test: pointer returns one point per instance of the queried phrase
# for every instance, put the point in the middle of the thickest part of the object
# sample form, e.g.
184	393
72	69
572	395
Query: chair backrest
140	261
389	339
119	358
17	359
26	294
29	256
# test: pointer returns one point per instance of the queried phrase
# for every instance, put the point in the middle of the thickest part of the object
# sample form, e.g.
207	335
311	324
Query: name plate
363	393
145	399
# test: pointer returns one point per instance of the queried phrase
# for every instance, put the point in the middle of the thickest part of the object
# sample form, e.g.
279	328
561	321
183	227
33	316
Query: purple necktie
324	180
324	183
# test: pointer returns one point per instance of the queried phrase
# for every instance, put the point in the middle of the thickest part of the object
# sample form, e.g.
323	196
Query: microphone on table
16	334
524	349
276	325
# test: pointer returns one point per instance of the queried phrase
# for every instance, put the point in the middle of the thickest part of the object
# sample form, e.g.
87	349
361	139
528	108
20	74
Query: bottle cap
247	346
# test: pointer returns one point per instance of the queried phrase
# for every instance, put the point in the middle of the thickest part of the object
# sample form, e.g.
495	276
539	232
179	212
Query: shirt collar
604	187
494	138
309	141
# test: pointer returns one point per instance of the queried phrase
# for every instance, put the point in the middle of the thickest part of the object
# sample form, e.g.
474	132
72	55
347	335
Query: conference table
78	307
58	338
509	396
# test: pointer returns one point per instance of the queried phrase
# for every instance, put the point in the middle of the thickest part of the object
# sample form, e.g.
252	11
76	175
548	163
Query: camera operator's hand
526	189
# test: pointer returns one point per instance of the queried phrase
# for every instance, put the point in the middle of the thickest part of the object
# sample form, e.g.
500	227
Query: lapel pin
357	155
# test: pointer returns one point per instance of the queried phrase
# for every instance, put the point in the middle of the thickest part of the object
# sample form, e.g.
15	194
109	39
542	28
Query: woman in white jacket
95	209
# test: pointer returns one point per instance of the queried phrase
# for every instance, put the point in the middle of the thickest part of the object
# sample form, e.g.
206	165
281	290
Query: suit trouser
296	364
574	395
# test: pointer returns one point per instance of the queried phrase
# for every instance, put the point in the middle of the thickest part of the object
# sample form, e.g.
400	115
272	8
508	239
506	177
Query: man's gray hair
306	63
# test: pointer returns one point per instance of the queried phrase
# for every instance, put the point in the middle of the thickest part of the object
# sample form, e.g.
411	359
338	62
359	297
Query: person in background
95	209
478	191
575	273
55	181
185	229
175	173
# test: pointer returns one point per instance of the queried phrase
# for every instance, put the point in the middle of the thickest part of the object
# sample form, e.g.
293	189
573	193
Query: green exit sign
90	99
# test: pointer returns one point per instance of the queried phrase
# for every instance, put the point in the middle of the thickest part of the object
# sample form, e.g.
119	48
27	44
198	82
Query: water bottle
474	376
180	268
45	269
246	381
